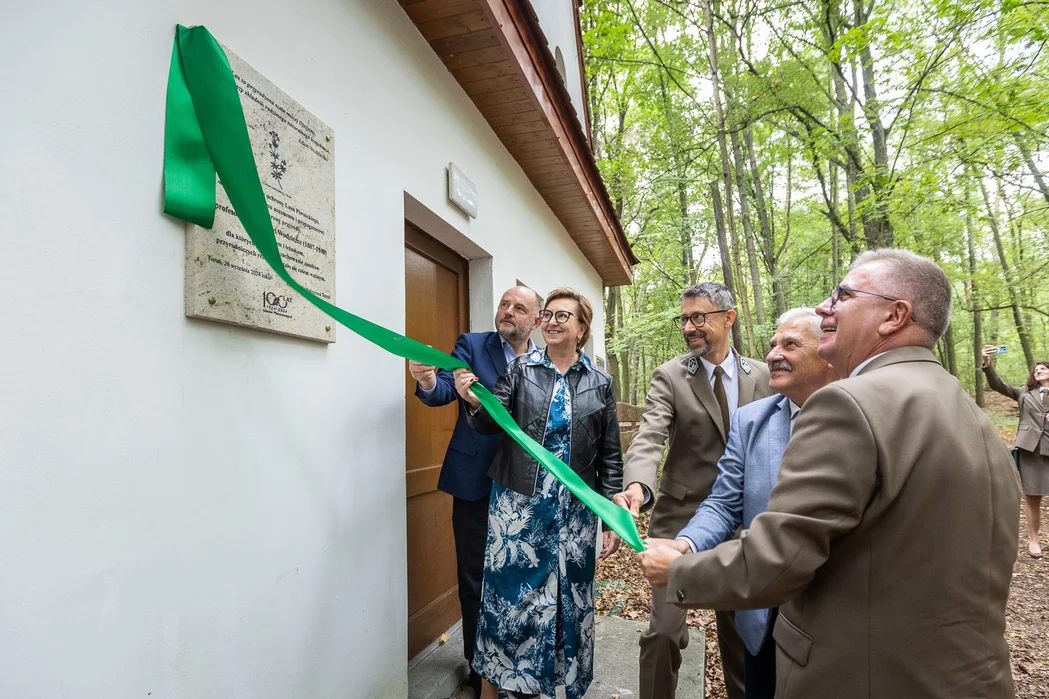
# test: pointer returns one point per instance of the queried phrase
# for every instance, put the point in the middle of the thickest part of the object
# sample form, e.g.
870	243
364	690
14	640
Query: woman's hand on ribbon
463	380
609	543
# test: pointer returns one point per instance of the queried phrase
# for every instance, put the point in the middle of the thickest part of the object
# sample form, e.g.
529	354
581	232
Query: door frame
432	619
482	300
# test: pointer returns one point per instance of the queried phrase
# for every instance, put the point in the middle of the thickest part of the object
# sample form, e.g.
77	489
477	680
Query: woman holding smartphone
1032	438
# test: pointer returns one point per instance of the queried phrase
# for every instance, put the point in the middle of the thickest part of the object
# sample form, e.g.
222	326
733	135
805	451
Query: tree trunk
786	227
611	326
626	358
685	228
844	112
768	241
1039	180
758	336
948	346
723	252
1021	328
762	334
835	249
876	225
726	174
974	291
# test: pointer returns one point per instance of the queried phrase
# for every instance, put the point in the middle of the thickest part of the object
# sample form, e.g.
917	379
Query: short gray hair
803	313
716	292
918	280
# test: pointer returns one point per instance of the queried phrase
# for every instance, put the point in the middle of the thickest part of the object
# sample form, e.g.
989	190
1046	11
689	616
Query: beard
703	350
518	333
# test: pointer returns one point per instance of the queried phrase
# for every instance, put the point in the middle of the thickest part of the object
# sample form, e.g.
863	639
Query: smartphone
1001	349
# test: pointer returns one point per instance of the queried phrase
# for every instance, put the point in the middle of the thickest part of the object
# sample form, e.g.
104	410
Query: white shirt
730	379
864	363
794	410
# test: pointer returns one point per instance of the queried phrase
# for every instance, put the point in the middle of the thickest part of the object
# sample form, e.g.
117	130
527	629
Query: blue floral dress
536	628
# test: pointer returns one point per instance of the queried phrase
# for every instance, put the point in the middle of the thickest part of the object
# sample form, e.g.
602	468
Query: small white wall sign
462	191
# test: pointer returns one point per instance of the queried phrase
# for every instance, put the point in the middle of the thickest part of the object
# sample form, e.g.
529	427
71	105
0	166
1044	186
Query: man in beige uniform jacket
892	529
683	406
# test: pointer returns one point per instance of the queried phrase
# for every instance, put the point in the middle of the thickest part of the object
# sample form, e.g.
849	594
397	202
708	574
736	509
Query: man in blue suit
464	474
758	436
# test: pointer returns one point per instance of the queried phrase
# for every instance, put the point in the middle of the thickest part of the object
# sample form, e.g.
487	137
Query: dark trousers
759	671
470	530
664	639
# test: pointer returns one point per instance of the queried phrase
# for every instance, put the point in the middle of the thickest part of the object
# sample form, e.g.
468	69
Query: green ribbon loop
205	133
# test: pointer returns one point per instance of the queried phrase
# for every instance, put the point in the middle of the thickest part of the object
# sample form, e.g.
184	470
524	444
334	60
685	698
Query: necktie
1045	403
719	394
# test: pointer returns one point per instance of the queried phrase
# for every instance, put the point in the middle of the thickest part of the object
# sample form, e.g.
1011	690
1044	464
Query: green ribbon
205	133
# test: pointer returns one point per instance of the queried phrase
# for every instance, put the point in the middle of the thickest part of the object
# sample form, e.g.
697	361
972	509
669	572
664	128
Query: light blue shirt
747	474
794	410
508	352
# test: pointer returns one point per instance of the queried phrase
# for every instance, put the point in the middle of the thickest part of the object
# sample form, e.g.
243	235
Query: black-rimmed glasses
698	319
559	316
835	295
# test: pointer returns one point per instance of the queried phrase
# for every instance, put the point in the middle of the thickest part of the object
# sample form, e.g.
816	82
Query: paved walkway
438	671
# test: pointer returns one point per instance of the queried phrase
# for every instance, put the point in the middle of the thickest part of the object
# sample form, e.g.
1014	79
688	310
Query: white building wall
557	20
189	509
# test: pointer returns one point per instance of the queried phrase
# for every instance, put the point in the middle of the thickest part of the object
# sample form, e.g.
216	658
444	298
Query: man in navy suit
464	474
758	436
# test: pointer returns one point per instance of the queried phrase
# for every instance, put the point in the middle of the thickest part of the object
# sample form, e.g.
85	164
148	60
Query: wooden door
436	307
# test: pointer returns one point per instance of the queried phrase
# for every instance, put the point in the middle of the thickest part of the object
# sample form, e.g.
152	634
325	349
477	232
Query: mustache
695	334
780	364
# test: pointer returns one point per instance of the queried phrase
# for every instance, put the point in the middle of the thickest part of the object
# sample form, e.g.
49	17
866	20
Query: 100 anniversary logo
273	303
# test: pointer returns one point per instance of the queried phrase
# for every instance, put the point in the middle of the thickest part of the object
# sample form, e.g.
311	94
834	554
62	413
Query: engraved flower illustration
278	165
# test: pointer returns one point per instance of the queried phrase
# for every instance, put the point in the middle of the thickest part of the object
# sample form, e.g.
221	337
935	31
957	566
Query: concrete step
439	671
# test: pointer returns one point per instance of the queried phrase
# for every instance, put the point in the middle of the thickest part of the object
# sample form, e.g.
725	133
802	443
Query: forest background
767	143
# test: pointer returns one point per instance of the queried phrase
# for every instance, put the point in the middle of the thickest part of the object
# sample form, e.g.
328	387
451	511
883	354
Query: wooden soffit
500	57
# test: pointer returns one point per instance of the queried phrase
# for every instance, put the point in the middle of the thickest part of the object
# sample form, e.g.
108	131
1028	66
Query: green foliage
918	125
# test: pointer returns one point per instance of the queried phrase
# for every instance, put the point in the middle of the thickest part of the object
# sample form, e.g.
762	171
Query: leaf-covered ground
622	591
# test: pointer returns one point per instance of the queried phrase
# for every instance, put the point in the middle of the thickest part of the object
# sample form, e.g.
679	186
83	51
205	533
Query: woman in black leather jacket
536	628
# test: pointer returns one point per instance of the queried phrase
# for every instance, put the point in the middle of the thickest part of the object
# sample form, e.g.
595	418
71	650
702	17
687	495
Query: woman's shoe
1034	550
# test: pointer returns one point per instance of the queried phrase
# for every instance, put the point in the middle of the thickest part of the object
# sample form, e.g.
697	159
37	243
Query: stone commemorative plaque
226	278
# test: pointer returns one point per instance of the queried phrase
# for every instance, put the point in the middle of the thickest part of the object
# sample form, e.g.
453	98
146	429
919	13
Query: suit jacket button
680	595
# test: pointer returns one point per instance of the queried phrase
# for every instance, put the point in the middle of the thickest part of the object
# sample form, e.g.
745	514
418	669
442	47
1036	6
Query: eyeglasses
559	316
835	296
698	319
